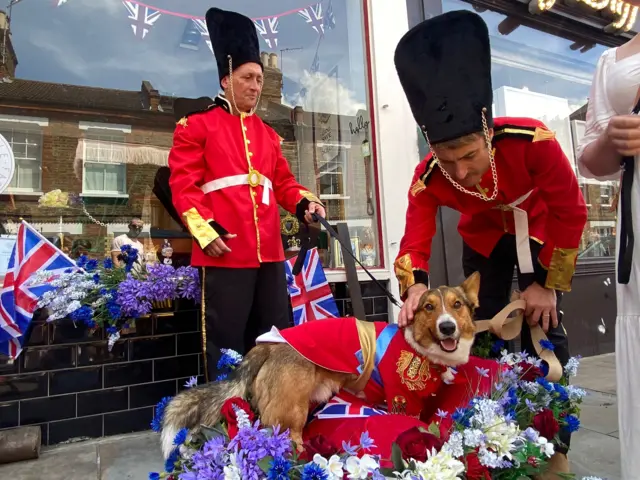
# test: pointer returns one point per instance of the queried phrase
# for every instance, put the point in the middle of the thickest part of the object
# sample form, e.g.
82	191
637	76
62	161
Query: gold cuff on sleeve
199	228
404	273
561	269
310	196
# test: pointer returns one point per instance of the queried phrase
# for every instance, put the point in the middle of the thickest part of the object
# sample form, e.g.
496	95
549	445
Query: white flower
361	467
546	447
440	466
473	437
571	368
575	393
231	471
591	478
454	445
242	417
332	467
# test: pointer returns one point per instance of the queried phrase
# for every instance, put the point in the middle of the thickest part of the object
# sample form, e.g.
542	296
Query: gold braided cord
492	162
233	95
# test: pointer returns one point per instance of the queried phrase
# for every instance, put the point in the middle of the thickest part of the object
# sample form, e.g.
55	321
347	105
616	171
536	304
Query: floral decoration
508	435
101	294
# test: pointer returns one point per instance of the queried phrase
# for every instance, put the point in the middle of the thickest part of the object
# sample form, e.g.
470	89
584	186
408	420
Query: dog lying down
291	370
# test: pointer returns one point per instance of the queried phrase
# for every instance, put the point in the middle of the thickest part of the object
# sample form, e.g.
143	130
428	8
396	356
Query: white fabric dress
614	90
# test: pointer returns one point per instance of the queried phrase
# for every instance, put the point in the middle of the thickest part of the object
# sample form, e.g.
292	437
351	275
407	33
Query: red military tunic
228	171
535	178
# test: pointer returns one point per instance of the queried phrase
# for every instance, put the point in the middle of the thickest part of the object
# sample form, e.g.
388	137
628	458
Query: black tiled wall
69	383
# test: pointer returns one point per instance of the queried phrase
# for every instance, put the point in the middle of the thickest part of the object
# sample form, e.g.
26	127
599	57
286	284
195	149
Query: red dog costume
397	380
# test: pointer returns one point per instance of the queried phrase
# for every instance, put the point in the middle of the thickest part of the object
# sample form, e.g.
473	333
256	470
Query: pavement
595	447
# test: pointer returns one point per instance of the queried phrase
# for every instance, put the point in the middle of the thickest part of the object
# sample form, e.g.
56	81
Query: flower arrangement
101	294
509	435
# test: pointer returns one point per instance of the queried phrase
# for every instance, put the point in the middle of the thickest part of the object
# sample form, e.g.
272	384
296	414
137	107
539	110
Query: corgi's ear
471	288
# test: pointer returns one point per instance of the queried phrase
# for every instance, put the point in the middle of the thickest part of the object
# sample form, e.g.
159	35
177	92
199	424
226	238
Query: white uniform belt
244	179
521	222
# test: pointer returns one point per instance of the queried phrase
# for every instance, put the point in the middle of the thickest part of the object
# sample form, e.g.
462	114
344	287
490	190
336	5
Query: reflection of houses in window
104	169
24	135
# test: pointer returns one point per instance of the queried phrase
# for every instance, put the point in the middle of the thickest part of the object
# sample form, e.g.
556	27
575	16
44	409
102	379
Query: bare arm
600	158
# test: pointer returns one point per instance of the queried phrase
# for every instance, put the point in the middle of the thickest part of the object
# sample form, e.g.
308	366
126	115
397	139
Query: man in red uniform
517	193
228	176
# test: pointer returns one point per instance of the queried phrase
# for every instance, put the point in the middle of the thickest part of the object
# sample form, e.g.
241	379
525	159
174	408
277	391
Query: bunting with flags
142	18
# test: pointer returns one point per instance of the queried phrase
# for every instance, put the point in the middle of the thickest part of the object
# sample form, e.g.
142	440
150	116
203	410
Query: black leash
625	254
334	234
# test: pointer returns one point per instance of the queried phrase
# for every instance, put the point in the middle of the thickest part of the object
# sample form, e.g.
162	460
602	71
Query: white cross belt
521	223
253	178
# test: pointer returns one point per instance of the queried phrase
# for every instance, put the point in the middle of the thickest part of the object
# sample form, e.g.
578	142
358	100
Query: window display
90	118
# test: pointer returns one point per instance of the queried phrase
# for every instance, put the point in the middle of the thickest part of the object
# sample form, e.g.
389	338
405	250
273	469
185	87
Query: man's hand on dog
411	304
541	305
218	247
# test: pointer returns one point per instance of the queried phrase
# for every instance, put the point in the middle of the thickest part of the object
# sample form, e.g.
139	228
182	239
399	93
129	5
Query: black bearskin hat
444	65
232	34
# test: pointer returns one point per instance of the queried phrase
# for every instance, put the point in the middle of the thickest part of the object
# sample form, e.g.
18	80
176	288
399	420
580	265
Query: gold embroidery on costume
253	177
404	273
417	187
310	196
413	370
199	228
182	122
203	320
542	134
399	405
561	269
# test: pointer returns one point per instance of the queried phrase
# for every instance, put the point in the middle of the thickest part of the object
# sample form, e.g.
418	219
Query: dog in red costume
411	372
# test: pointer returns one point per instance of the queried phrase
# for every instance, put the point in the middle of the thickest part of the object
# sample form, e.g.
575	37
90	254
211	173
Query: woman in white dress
611	134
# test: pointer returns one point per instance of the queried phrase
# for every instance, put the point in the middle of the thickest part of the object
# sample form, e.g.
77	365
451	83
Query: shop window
547	77
113	96
24	135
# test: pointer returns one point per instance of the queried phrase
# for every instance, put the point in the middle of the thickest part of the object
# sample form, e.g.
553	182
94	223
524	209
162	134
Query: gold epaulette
533	134
421	183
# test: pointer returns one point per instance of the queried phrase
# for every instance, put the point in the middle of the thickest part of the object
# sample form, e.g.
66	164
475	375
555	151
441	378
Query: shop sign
7	164
623	14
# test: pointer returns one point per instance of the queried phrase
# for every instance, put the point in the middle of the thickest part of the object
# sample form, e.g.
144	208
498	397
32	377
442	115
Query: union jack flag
268	28
329	20
18	298
311	297
141	20
313	16
339	407
201	25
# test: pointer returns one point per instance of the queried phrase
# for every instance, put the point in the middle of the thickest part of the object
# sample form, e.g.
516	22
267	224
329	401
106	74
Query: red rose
475	470
229	414
529	372
545	423
320	445
415	444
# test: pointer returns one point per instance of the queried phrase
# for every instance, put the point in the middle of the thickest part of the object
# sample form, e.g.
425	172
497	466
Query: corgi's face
443	328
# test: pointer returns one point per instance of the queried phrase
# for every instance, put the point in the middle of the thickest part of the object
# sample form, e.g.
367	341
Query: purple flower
365	441
192	382
189	283
134	298
349	449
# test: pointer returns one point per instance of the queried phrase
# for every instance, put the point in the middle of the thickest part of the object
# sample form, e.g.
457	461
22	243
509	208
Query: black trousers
240	304
496	277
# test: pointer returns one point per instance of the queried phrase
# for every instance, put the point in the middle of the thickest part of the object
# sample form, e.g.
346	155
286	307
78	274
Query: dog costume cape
390	372
531	193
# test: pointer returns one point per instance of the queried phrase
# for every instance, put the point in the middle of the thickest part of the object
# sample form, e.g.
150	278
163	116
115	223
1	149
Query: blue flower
112	330
544	368
348	448
91	265
82	261
483	372
563	394
547	345
545	384
365	441
84	315
170	463
497	346
279	469
107	263
573	423
222	376
181	436
154	476
313	471
226	362
96	278
192	382
462	416
156	423
69	270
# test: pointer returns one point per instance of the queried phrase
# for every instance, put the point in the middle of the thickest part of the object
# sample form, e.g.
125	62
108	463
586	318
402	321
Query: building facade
91	115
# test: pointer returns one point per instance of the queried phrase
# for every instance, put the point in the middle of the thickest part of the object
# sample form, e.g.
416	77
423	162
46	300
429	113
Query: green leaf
265	464
434	429
396	457
210	432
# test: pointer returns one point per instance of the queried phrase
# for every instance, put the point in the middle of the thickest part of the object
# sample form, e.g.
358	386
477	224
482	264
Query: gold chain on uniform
492	162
